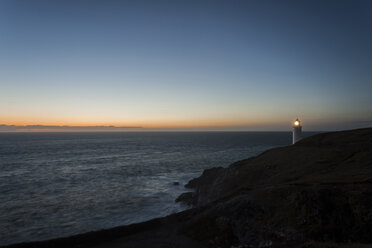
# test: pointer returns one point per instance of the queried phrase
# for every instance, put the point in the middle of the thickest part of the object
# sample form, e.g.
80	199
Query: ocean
59	184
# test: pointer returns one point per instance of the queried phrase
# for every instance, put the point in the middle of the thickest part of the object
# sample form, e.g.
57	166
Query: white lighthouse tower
297	131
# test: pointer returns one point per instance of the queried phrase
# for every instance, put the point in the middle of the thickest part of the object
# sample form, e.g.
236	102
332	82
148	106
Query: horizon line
5	128
61	128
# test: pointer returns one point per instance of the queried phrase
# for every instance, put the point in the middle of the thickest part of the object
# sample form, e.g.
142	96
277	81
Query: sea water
60	184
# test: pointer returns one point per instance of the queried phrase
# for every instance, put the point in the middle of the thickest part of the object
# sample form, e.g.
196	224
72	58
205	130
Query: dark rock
339	157
186	198
176	183
317	190
207	175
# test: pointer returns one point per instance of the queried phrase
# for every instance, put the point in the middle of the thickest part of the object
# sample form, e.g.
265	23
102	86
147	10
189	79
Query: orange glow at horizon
238	119
156	124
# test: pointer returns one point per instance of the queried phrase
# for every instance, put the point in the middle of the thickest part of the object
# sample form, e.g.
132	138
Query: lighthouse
297	131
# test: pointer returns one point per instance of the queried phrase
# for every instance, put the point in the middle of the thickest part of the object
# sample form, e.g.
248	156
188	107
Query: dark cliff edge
316	193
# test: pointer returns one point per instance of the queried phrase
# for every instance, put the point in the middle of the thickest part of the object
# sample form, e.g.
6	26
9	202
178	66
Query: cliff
318	190
329	158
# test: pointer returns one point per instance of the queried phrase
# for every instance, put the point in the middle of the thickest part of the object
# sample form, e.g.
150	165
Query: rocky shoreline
317	193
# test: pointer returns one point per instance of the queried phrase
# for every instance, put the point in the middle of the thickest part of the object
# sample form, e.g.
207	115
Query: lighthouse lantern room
297	131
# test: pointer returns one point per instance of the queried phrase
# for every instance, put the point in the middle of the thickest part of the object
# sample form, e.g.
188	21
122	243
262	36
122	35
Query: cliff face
319	189
329	158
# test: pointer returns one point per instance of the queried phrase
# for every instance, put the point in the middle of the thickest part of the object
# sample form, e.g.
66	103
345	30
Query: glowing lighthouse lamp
297	131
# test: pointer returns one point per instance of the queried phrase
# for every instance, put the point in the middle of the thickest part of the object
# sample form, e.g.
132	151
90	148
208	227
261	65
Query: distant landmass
316	194
43	128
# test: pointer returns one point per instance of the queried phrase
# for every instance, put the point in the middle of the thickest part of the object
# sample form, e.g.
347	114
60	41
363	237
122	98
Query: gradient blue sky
193	65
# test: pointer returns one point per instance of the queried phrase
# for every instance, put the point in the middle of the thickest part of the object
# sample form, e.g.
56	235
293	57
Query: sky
186	65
